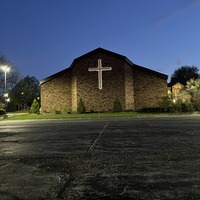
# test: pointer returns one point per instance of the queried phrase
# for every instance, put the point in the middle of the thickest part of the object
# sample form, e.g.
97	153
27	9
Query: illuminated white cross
100	69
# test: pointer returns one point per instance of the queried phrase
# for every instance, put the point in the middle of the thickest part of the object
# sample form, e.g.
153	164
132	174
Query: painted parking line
91	148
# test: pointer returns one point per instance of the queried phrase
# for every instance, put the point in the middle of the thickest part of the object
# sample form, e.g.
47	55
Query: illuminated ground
110	158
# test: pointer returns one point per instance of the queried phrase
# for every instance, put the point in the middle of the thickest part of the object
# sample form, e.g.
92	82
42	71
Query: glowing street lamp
5	95
6	69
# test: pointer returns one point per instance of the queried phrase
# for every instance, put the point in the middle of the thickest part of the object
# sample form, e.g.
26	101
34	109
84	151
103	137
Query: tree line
20	91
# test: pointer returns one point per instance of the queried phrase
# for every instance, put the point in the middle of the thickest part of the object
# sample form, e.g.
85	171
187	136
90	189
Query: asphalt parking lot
104	158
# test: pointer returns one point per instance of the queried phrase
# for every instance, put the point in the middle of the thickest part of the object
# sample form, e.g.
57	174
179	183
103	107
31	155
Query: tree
35	108
193	86
184	74
12	77
25	91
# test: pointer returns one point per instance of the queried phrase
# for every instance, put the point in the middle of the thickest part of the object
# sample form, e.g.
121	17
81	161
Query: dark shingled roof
124	58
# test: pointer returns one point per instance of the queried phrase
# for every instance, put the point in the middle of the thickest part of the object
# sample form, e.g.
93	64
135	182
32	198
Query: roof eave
161	75
54	76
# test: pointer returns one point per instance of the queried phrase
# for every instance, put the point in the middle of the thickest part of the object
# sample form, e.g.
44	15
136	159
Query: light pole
6	69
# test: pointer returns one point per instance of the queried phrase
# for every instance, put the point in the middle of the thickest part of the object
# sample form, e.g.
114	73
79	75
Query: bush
152	110
165	103
187	107
191	107
35	107
117	107
196	99
2	112
181	107
81	107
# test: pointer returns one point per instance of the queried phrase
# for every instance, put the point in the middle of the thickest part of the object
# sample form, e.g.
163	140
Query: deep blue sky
42	37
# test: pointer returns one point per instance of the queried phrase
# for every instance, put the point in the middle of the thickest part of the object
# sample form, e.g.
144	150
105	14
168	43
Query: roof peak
100	49
97	50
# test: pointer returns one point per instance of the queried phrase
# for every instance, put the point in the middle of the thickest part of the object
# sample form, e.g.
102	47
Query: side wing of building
149	87
55	92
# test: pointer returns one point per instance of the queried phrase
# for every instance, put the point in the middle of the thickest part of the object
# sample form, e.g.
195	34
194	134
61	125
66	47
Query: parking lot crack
94	143
192	146
62	190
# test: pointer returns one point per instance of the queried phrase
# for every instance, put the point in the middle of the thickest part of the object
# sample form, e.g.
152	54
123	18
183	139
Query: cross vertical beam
100	69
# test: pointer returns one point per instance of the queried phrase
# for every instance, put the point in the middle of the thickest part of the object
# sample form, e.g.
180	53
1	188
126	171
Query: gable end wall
96	99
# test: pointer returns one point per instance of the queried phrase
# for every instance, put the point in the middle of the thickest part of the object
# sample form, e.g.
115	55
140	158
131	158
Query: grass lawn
65	116
25	116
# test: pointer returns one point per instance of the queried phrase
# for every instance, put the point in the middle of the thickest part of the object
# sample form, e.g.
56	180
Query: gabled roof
121	57
176	83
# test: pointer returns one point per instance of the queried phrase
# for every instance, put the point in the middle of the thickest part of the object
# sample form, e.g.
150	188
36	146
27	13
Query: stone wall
73	93
129	88
96	99
148	89
56	94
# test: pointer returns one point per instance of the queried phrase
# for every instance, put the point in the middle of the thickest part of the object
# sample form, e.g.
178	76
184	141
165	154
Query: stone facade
2	105
136	87
179	93
149	88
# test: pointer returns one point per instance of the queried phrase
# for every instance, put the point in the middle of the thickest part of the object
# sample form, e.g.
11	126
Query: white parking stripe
97	139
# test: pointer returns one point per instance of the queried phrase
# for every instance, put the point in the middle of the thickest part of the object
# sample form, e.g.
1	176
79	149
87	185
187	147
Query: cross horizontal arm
93	69
106	68
99	69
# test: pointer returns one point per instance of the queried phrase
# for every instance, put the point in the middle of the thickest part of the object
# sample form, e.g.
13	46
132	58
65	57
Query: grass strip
85	115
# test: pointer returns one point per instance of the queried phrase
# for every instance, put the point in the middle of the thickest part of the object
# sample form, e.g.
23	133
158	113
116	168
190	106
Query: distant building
178	92
2	105
98	78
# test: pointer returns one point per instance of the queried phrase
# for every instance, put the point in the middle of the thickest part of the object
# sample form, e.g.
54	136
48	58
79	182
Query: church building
99	78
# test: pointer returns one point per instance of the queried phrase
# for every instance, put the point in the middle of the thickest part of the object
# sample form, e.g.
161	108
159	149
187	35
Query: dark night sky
42	37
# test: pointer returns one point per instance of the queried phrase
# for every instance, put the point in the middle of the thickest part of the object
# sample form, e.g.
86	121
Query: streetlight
6	69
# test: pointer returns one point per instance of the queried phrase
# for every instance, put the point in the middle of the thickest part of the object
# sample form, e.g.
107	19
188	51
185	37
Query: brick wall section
73	93
129	88
149	89
87	83
56	94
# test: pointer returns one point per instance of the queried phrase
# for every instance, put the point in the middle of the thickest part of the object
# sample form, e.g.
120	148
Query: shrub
196	99
81	107
117	107
187	107
165	103
181	107
35	107
151	110
2	112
